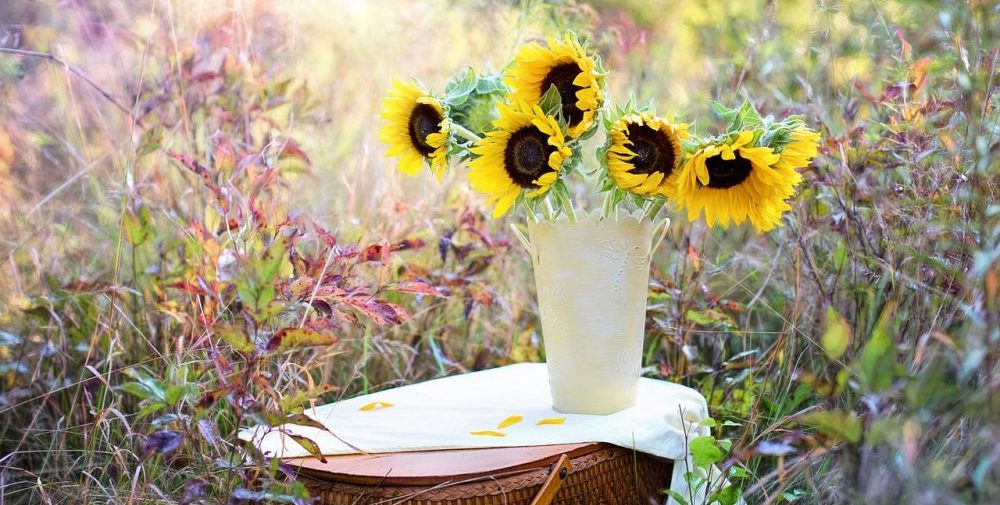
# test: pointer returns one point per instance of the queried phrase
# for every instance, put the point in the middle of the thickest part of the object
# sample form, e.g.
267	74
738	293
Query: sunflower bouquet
521	132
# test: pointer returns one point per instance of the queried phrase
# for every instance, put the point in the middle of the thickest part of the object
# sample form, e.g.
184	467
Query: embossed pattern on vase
591	279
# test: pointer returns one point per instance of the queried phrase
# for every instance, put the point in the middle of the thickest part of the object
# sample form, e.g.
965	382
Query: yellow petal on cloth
375	405
510	421
487	433
550	420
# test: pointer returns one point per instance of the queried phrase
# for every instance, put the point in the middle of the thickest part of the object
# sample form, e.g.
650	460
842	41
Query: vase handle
523	240
659	235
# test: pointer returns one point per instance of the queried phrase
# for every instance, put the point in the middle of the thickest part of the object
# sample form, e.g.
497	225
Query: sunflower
645	153
525	153
565	65
732	181
416	129
801	150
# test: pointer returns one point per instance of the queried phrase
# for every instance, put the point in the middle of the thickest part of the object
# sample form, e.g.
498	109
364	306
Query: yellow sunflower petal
759	197
661	163
535	66
408	102
503	184
550	420
487	433
510	421
375	405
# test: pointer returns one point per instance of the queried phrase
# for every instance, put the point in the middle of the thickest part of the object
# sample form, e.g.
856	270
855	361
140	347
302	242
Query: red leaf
292	150
188	287
693	258
327	237
189	163
419	287
405	244
296	338
379	312
918	74
481	296
209	398
275	419
309	445
375	252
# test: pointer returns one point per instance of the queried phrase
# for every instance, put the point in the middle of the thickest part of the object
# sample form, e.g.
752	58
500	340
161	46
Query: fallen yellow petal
376	405
551	420
487	433
509	421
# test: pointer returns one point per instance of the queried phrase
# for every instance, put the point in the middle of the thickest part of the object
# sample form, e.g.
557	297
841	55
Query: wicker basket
601	475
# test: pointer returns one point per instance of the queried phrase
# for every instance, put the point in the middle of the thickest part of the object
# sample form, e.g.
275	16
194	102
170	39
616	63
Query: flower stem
529	212
565	203
550	213
464	132
606	207
654	208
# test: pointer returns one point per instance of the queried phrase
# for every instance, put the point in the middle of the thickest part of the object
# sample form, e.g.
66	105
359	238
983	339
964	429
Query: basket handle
659	235
554	481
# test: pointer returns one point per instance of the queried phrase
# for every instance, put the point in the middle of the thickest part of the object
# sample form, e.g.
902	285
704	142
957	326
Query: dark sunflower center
727	173
561	76
654	152
526	157
424	120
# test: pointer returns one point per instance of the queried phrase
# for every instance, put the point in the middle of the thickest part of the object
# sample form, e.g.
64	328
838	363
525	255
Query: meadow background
199	231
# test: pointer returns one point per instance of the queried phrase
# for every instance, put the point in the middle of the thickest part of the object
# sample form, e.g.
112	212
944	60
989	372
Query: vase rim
594	216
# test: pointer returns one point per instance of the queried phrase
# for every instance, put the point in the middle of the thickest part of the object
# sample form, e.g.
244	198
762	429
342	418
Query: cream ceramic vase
591	279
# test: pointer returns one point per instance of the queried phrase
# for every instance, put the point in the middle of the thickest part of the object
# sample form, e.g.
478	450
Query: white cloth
442	414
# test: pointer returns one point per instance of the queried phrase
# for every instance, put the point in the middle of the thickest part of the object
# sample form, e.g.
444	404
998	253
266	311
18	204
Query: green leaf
837	424
138	390
677	496
151	141
728	495
152	408
695	481
235	337
489	83
152	385
837	335
137	227
551	102
794	495
270	263
293	403
705	451
878	357
738	472
708	317
747	117
175	393
247	293
461	85
840	255
725	113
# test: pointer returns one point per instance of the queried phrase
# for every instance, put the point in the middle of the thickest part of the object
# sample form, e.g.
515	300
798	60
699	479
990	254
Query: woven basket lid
435	467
